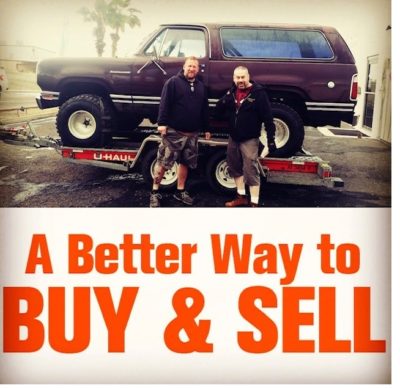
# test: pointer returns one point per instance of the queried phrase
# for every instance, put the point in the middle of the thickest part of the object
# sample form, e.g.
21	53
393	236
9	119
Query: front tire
84	121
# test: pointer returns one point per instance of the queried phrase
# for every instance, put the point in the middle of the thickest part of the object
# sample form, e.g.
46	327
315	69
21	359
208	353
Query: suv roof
255	25
340	48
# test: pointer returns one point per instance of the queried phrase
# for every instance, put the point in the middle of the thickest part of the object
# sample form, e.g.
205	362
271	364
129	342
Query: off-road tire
289	135
85	121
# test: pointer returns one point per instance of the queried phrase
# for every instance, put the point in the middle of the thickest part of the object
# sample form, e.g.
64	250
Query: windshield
177	42
145	40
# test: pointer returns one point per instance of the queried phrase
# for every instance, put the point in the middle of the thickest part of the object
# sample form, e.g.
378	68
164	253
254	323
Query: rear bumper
319	114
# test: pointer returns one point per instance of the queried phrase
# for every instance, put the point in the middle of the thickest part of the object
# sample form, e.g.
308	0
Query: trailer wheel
289	135
84	120
148	164
217	174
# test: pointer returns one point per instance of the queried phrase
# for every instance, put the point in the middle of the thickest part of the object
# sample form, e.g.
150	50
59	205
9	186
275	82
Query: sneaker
183	196
155	199
240	200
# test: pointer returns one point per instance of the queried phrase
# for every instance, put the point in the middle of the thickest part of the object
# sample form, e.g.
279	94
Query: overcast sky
56	25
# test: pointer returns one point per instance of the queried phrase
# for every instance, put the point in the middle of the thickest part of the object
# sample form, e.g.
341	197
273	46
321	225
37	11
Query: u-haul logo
110	157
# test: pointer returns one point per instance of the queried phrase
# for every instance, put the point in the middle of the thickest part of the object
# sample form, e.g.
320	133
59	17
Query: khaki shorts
178	147
242	160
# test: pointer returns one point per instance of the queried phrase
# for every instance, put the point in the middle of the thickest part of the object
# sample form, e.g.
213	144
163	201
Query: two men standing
183	114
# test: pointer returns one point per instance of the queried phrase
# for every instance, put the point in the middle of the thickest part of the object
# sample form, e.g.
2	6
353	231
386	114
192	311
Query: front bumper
48	99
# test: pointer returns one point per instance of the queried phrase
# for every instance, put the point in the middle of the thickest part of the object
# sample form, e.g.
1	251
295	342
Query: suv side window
175	43
275	43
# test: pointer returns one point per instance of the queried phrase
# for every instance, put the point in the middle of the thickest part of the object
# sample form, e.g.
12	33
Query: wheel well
72	89
292	99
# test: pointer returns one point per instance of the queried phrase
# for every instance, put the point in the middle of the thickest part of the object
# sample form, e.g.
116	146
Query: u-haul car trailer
123	155
300	169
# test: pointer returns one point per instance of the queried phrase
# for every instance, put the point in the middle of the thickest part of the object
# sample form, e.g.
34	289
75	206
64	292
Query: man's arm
268	120
164	108
205	112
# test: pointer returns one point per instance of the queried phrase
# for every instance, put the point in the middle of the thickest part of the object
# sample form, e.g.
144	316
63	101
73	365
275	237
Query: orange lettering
325	247
81	320
76	265
362	323
267	328
103	254
116	321
39	243
327	323
14	319
231	247
293	319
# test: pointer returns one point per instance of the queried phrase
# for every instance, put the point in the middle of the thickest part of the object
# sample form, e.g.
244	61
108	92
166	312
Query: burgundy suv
308	70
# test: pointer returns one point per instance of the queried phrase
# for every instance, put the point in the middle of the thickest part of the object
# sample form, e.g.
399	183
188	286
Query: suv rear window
275	43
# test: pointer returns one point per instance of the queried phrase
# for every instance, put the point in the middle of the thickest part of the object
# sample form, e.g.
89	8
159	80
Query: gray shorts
242	160
178	147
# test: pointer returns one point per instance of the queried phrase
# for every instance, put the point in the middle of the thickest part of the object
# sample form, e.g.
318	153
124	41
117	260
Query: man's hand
207	135
162	129
271	146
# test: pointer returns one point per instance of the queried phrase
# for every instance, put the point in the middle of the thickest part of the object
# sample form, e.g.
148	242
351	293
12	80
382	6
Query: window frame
241	58
166	31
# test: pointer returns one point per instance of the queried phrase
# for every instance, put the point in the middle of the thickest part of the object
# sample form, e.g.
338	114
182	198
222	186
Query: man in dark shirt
183	113
247	106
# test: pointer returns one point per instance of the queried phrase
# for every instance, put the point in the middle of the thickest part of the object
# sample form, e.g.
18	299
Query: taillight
354	88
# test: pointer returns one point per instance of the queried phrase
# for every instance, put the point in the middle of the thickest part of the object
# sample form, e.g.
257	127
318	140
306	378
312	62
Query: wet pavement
40	177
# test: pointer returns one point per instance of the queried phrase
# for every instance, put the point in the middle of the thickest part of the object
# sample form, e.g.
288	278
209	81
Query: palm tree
98	15
119	14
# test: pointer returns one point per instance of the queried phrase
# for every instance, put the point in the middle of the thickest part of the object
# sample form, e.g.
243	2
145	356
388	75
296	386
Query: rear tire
289	135
84	120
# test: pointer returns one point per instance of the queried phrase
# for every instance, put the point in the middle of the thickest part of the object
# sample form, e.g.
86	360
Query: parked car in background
3	80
